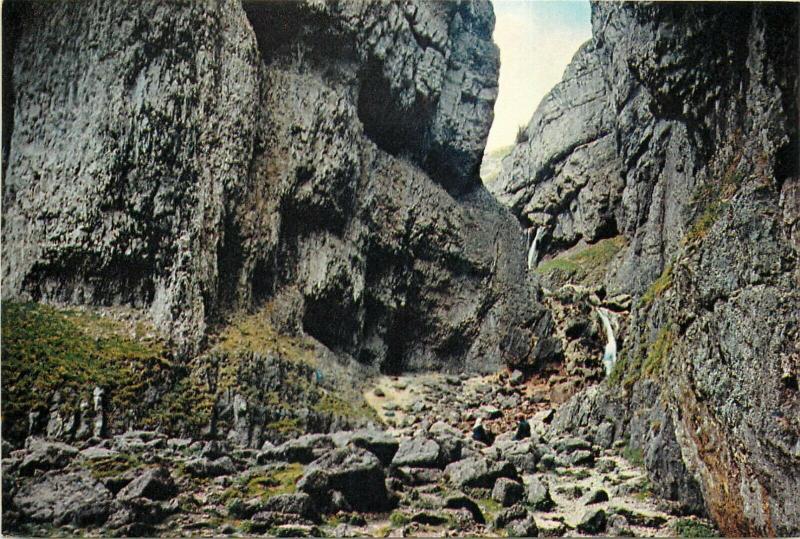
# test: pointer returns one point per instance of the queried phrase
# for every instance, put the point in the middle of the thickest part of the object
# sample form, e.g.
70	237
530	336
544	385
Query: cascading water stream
610	352
533	253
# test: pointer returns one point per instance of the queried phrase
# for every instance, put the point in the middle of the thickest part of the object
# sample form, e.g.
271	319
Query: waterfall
610	352
532	252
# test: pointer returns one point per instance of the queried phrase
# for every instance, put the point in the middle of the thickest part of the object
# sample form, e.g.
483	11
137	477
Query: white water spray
610	353
533	253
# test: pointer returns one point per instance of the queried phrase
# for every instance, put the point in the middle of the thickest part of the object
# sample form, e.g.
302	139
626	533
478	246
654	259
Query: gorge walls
193	160
676	126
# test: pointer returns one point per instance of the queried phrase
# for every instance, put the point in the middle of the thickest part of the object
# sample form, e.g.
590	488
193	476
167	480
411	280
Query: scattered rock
516	377
507	492
153	484
525	527
354	472
595	496
581	457
298	503
478	472
417	452
303	449
72	498
593	522
460	500
379	443
46	455
538	495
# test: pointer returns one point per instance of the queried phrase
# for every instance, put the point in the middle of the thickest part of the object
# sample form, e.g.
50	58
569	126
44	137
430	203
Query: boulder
303	449
354	472
203	467
378	442
507	492
298	503
46	455
479	472
73	498
153	484
538	495
593	522
418	452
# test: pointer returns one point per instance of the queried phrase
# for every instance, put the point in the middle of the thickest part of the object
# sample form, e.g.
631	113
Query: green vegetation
489	508
72	351
687	527
45	350
658	352
634	455
112	466
627	372
658	287
585	266
399	519
272	482
712	198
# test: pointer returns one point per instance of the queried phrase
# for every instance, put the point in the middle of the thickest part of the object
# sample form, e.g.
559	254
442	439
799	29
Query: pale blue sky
537	39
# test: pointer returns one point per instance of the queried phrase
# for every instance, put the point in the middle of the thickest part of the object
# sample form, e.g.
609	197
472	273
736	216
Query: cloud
537	40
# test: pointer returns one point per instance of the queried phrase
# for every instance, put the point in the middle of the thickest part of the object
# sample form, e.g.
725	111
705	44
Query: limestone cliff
677	127
196	159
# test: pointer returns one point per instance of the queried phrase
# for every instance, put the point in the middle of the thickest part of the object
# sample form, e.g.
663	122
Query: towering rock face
566	176
690	118
195	159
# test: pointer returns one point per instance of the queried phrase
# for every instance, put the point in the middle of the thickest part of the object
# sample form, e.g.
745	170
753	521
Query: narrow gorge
253	283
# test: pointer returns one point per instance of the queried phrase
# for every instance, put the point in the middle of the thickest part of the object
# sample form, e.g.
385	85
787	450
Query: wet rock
538	494
354	472
154	484
58	498
478	472
418	452
593	522
507	492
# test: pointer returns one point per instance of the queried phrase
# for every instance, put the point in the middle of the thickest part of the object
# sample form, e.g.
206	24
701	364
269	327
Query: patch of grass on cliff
712	198
586	266
659	286
658	352
46	349
627	372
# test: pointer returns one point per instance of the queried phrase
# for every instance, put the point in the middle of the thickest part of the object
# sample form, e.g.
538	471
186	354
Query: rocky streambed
419	473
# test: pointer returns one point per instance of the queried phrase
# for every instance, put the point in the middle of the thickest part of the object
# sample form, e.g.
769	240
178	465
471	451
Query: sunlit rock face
195	159
676	126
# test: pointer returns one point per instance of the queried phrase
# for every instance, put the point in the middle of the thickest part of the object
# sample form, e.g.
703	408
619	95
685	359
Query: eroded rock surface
698	139
205	162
